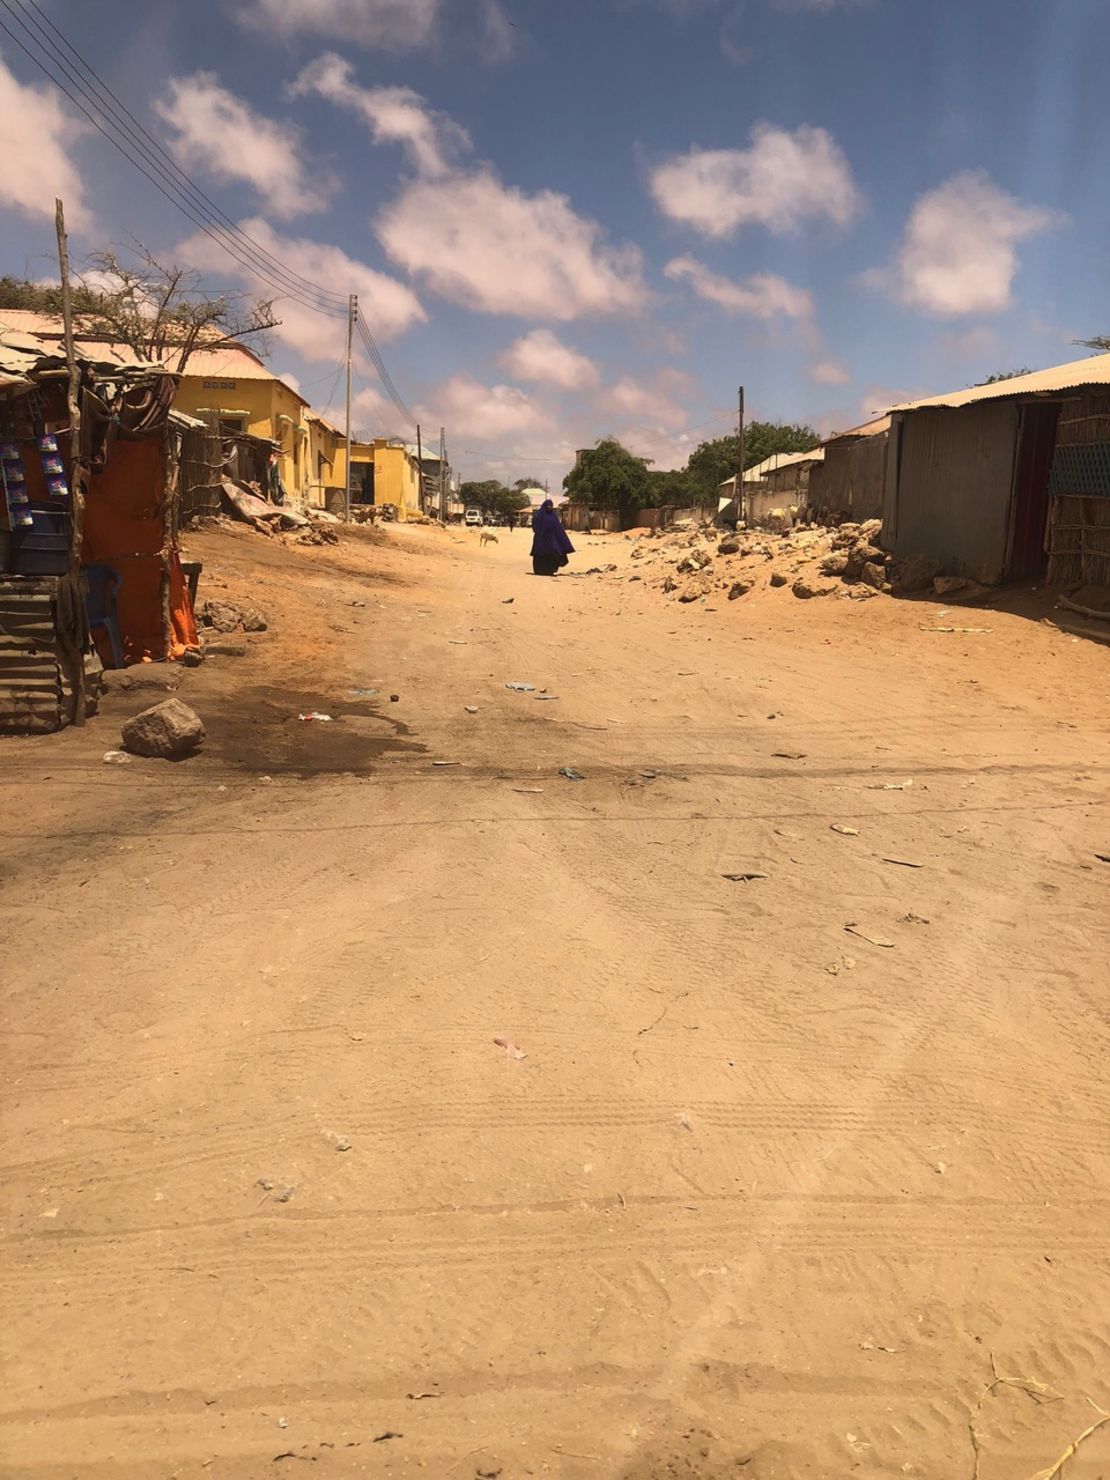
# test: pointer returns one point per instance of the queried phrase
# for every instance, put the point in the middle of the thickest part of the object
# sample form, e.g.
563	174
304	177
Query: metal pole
76	473
352	310
740	456
419	470
442	476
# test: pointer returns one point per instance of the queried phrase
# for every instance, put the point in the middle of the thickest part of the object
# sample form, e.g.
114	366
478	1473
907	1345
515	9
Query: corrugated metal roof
1094	370
782	460
868	429
229	362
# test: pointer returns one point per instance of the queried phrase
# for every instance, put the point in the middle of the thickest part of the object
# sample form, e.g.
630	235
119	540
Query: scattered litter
511	1050
571	774
528	790
940	1167
788	755
445	763
283	1423
744	878
840	827
314	714
649	775
1102	857
458	642
417	1397
873	940
364	693
389	1434
912	919
116	758
521	688
506	601
541	697
339	1142
471	708
684	1122
954	629
394	698
904	862
870	1346
891	786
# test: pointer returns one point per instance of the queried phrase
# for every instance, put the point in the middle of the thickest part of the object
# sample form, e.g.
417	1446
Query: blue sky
571	218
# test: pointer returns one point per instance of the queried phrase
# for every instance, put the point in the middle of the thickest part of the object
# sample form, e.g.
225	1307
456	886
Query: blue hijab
548	535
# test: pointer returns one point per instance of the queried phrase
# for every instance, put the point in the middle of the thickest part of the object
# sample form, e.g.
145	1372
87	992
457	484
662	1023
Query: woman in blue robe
550	545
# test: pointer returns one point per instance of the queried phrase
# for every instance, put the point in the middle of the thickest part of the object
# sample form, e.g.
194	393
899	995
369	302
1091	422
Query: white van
472	516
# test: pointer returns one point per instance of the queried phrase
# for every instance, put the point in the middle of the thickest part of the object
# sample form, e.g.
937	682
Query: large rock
253	620
779	579
739	588
863	551
915	573
873	574
695	589
805	588
730	545
835	564
221	616
166	730
695	561
847	534
870	529
945	585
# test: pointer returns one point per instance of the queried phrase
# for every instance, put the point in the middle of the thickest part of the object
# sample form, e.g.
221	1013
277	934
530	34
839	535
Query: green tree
608	476
714	461
483	495
1004	375
1100	342
668	487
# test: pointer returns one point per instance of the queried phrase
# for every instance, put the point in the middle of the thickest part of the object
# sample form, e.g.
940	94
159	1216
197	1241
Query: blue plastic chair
100	603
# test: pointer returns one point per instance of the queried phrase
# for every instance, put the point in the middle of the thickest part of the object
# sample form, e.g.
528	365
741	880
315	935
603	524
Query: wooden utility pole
76	470
740	455
352	310
419	469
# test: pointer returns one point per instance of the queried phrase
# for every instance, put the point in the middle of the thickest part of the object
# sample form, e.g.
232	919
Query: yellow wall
271	409
327	459
395	478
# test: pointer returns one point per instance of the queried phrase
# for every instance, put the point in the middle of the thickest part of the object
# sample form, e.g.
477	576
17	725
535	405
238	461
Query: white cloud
779	181
36	135
829	372
387	305
958	253
542	356
651	404
763	295
494	248
395	115
474	411
878	399
397	25
217	132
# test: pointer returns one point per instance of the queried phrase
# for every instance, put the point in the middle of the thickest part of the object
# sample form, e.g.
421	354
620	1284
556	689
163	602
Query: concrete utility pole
740	454
352	310
442	476
419	469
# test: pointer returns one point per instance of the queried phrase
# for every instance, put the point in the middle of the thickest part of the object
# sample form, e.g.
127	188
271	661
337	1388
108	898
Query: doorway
1036	445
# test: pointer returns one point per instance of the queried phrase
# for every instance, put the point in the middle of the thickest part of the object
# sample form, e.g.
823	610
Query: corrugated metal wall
949	487
850	480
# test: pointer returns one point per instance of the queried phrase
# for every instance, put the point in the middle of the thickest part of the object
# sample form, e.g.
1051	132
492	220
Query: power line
244	251
383	374
120	116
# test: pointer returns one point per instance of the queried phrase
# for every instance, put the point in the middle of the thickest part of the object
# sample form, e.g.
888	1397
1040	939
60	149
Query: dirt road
766	1195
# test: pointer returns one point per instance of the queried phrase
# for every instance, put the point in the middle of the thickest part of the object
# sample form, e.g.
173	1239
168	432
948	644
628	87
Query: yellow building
386	471
235	386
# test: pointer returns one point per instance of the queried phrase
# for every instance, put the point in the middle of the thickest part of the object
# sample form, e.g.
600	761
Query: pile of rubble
693	562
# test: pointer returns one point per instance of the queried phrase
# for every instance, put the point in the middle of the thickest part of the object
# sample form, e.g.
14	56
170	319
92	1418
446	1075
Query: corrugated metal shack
848	484
123	478
992	481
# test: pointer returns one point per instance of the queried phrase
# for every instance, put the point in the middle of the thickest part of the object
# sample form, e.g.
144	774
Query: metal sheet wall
850	480
950	479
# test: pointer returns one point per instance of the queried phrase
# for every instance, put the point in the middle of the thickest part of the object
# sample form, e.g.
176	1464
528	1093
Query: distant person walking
550	544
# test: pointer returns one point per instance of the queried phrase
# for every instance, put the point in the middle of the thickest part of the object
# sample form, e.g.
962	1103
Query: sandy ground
764	1198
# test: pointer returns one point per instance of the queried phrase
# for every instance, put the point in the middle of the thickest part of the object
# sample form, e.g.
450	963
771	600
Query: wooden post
419	471
77	472
740	514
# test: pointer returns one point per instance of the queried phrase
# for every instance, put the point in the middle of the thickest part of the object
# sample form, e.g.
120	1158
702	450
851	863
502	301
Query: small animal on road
487	537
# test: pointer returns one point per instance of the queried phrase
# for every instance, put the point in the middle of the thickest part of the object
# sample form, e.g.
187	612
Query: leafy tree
1004	375
493	497
159	312
608	476
668	487
714	461
1100	342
